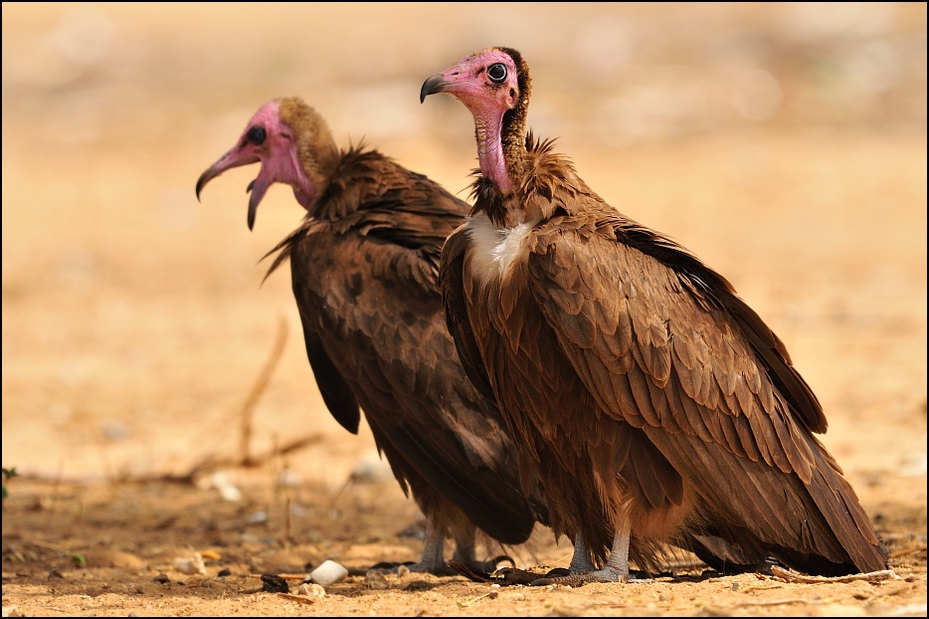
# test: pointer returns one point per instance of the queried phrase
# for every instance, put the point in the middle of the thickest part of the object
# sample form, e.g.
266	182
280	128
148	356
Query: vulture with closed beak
650	401
364	267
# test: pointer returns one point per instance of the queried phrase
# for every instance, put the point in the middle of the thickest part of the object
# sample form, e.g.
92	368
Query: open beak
233	159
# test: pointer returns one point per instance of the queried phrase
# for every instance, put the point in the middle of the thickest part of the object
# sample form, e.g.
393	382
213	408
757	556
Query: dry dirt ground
785	144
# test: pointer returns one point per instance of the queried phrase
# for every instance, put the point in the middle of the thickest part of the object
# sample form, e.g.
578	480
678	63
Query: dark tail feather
850	524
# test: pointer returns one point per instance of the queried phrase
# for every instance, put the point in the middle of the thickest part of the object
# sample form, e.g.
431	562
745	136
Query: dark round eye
256	135
496	72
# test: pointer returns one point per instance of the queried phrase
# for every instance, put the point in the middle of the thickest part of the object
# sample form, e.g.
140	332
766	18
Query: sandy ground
784	144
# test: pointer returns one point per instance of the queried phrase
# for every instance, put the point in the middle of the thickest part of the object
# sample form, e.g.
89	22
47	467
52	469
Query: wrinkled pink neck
490	151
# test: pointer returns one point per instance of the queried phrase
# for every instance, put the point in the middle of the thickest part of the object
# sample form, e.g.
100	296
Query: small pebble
190	565
226	489
375	579
328	573
311	590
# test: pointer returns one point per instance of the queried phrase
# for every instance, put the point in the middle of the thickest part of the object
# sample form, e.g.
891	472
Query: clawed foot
420	567
479	571
509	575
515	576
491	566
482	571
606	574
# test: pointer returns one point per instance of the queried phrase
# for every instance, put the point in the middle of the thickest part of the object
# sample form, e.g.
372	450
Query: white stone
328	573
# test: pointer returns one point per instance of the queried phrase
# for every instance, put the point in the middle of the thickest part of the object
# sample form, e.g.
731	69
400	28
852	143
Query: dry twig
257	389
297	598
792	576
906	551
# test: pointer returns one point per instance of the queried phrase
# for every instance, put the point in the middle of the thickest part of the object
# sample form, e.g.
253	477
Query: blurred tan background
783	143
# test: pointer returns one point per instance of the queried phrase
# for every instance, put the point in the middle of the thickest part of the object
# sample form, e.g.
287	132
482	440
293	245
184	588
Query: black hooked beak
253	201
431	86
233	159
205	178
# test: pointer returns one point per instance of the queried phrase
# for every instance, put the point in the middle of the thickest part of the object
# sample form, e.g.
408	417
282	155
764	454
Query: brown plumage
364	264
652	402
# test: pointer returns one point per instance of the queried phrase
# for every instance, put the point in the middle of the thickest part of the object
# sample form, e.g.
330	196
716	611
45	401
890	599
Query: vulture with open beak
650	401
364	267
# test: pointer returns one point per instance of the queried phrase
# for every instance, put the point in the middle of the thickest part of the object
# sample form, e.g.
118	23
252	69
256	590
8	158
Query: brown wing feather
697	384
364	267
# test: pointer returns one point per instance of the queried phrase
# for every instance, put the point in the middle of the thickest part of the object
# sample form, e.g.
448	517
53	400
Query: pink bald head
269	140
485	82
490	83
